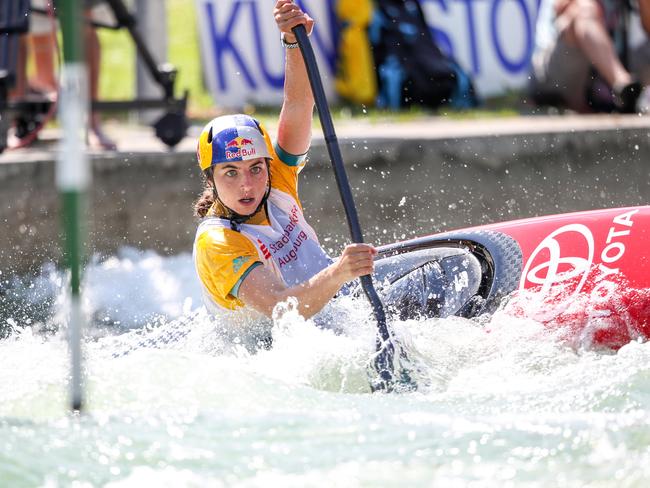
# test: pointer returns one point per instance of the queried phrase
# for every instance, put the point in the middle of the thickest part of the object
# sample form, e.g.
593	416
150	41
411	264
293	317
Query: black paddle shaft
385	348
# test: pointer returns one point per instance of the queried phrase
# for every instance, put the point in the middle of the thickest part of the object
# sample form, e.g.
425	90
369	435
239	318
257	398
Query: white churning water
502	402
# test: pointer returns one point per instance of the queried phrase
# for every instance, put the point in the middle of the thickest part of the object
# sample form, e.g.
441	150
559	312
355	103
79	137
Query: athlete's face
241	185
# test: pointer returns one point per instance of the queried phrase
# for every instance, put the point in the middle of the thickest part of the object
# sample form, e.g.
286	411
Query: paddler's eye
256	170
231	173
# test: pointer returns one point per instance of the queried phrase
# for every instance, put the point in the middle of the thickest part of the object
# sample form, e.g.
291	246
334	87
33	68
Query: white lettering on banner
581	264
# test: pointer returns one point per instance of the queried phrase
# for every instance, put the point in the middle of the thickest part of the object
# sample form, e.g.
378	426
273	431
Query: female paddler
253	246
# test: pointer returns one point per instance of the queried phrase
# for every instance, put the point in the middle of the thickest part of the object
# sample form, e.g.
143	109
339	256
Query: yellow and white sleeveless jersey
281	240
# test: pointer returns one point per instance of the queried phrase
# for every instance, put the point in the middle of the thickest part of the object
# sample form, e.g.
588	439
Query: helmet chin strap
236	219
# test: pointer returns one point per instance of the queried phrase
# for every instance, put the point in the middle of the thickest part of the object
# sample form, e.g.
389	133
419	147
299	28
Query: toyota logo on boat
558	268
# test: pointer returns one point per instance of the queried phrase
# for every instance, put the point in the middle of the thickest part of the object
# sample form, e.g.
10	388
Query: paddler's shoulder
284	171
287	159
221	239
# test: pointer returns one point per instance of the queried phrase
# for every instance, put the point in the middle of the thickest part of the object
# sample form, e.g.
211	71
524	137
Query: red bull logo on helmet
240	148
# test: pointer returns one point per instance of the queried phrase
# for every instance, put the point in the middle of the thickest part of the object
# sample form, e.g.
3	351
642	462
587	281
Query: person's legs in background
582	25
93	56
560	74
640	67
44	80
19	88
25	83
43	49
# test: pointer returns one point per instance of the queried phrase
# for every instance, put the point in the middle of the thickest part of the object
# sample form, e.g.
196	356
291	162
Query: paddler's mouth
246	202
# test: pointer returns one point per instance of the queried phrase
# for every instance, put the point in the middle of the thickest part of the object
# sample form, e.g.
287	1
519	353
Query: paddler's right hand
288	15
357	260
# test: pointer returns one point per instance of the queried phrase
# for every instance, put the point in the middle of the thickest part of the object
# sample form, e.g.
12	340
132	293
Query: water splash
606	314
175	397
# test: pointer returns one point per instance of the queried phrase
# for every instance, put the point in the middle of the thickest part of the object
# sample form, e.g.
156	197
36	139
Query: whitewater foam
172	399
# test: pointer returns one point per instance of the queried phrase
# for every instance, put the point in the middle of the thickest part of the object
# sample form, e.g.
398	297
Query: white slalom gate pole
73	176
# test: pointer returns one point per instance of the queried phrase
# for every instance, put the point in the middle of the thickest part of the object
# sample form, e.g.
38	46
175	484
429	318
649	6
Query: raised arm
294	125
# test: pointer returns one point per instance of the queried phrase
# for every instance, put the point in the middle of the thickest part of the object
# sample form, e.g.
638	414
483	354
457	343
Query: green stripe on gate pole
73	175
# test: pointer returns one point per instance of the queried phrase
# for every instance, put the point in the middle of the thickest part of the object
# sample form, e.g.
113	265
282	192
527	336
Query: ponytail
207	198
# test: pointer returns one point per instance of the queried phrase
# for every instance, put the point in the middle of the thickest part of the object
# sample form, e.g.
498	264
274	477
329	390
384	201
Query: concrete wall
141	201
404	186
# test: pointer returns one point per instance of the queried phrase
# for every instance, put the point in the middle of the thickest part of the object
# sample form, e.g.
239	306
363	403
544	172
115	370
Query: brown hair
206	199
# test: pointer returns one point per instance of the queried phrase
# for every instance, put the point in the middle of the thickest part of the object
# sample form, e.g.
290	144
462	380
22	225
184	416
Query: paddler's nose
247	182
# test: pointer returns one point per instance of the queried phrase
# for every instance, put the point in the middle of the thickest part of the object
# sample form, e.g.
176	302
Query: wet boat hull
598	258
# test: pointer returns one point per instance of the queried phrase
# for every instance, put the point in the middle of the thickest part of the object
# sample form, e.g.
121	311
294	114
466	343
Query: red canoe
586	274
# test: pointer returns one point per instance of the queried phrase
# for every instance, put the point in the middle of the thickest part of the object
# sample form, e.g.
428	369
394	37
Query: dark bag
13	23
411	68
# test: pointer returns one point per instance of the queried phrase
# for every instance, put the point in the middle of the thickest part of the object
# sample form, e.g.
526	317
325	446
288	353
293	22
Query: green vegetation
117	75
117	79
185	54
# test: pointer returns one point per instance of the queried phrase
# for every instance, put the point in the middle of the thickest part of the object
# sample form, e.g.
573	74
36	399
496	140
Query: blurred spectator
42	46
577	60
411	67
44	49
